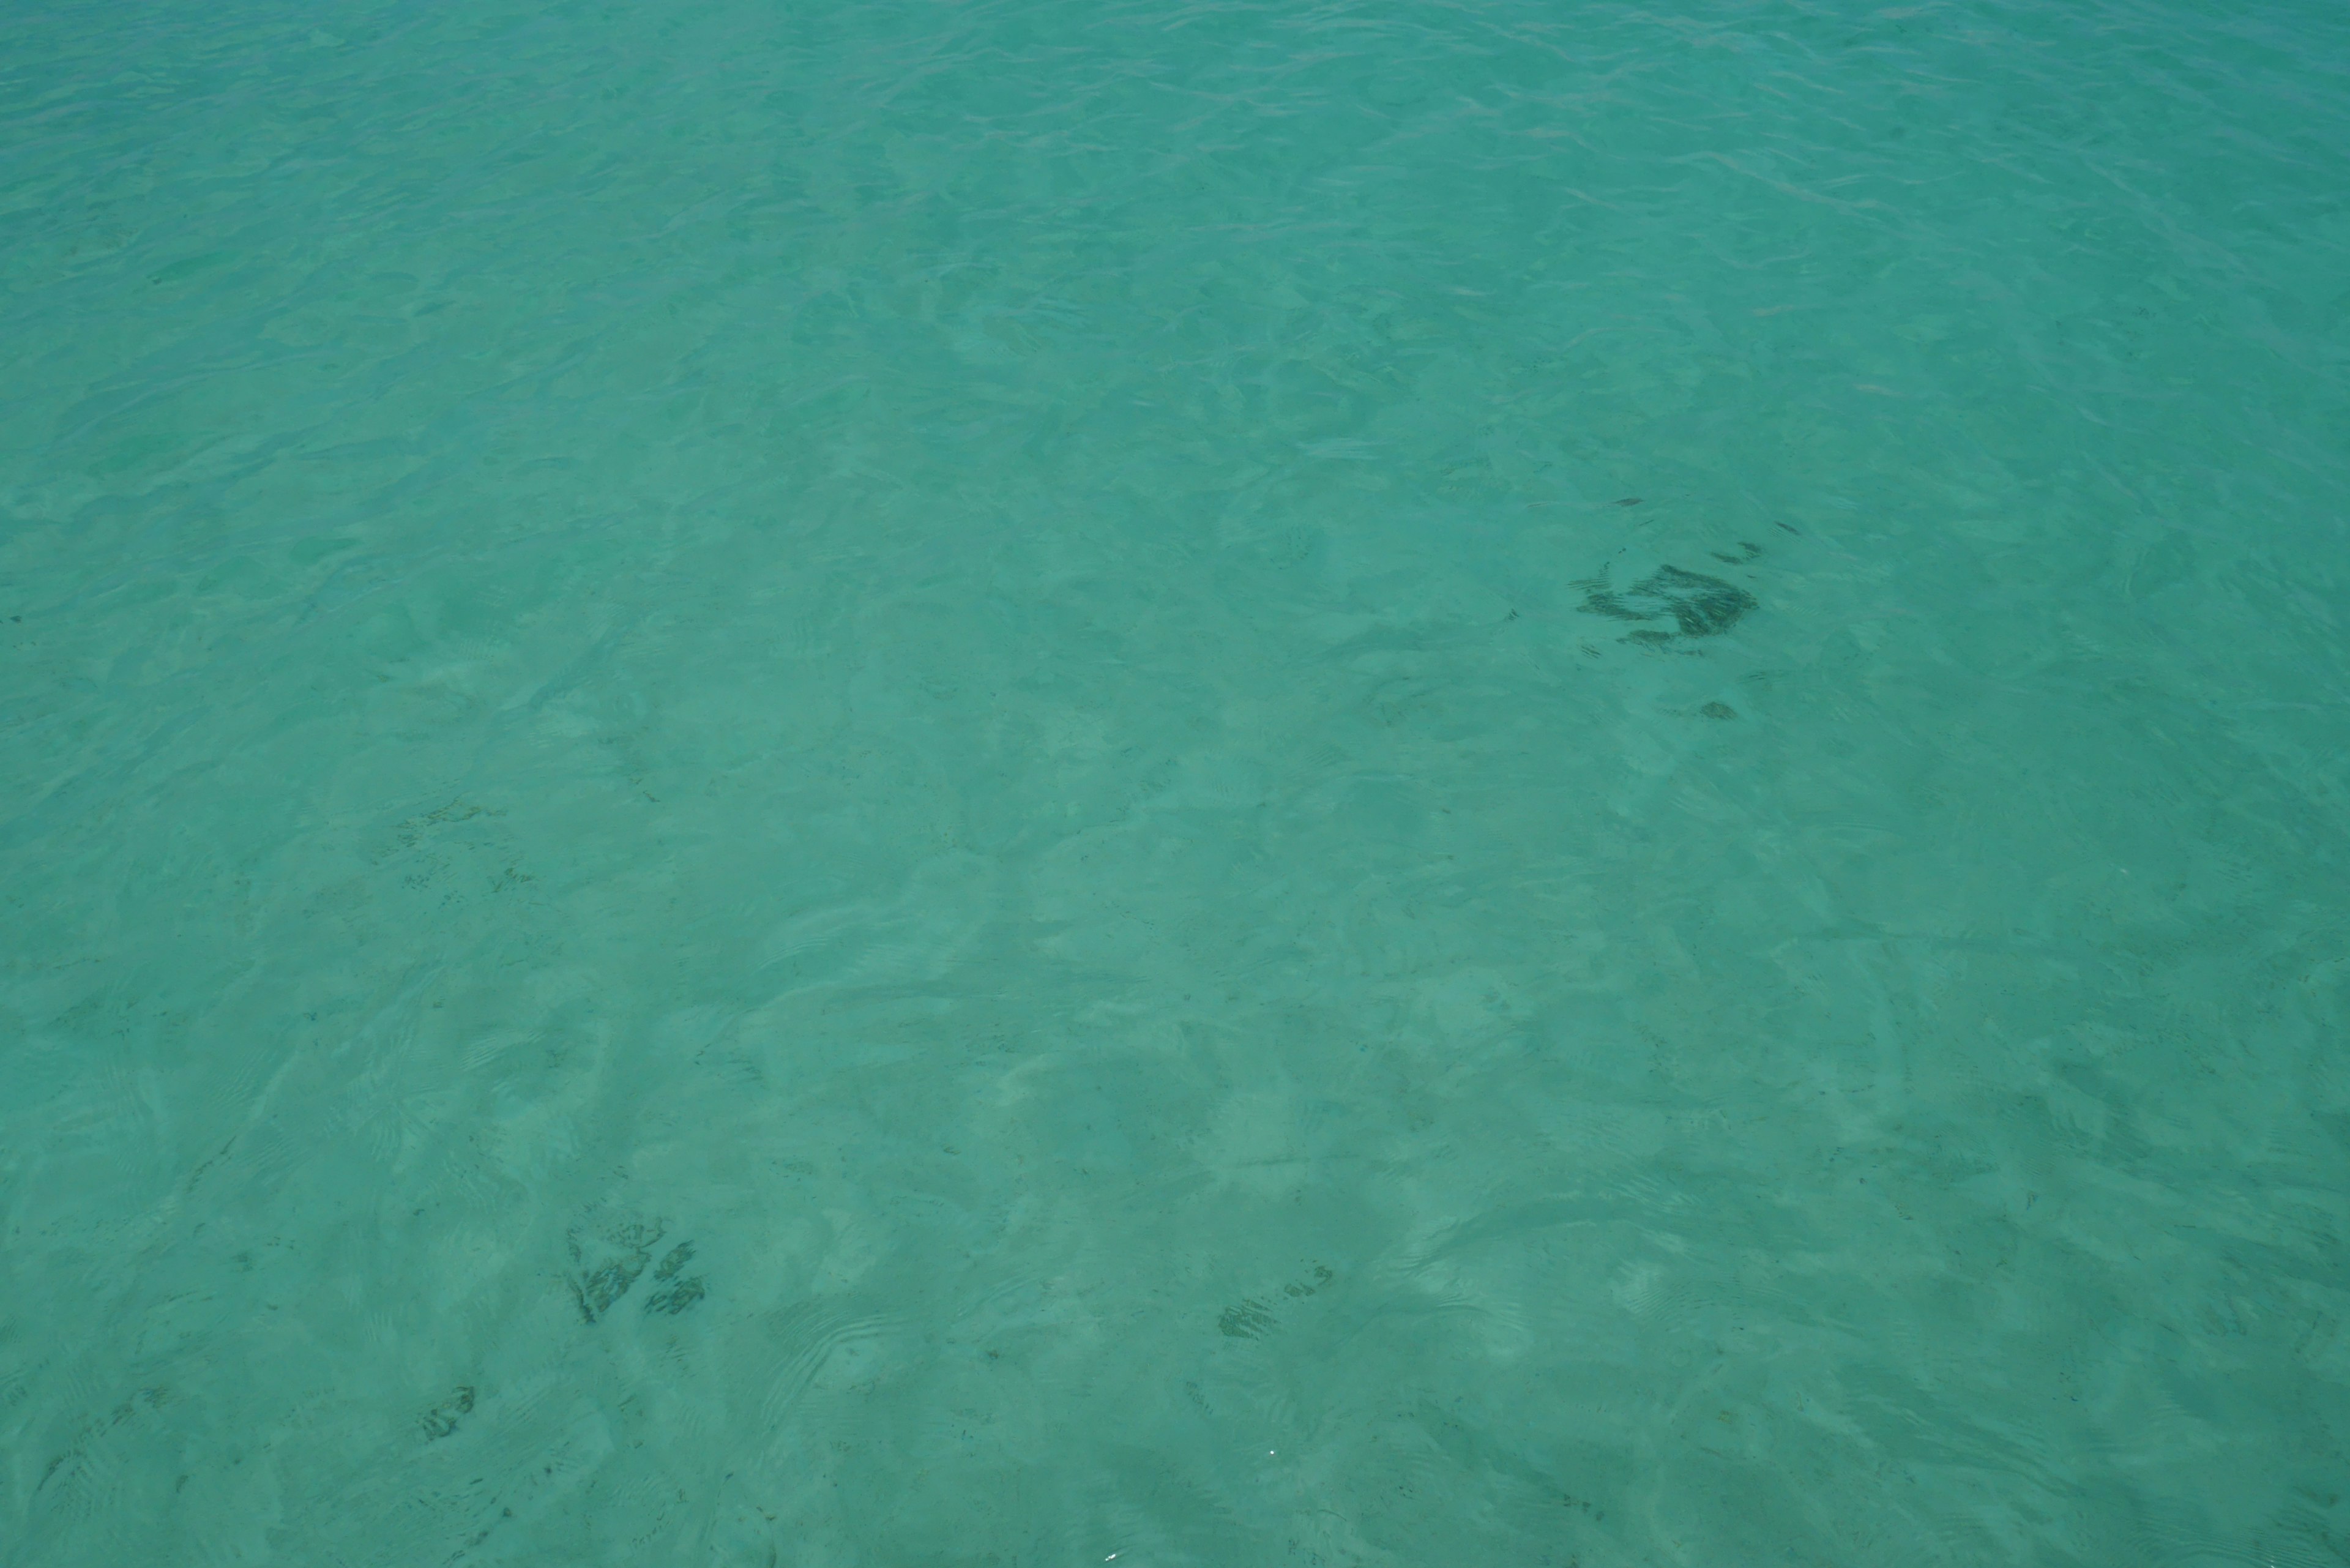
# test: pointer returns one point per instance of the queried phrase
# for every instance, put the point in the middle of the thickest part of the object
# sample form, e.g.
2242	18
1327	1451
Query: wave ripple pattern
1294	783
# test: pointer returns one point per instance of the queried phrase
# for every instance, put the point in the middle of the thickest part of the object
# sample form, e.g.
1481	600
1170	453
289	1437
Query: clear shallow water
850	784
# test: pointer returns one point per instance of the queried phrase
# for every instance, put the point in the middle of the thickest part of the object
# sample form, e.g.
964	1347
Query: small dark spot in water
676	1296
1629	501
610	1258
1699	606
443	1419
671	1294
1254	1319
1718	710
1322	1276
1250	1320
1749	551
597	1291
1790	527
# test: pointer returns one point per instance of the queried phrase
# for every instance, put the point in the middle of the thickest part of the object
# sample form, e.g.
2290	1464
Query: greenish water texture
1243	785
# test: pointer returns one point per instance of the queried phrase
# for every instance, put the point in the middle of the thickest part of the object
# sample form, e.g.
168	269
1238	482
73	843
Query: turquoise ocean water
1236	784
